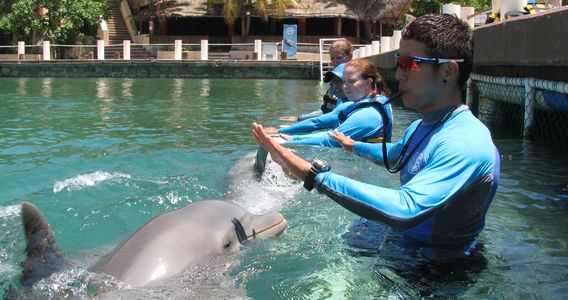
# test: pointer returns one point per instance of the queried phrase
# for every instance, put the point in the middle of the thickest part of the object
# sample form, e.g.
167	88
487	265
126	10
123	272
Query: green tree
422	7
59	21
368	10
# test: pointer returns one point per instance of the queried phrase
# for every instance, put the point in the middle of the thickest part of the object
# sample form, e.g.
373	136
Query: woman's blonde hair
343	46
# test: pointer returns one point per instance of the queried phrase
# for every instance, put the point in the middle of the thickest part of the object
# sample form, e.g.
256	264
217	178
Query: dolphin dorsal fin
43	257
39	237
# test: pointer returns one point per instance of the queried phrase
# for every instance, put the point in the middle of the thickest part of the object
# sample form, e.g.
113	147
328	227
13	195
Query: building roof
370	10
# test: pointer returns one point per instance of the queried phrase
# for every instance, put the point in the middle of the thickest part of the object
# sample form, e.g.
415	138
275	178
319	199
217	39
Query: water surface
102	156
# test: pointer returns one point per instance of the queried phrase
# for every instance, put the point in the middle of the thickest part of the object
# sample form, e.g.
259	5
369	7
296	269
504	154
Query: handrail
128	19
239	53
533	95
555	86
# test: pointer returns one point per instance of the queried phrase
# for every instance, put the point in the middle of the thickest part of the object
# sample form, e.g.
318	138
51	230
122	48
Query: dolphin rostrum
162	247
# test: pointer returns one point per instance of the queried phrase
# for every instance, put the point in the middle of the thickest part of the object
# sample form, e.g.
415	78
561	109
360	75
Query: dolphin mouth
274	230
272	225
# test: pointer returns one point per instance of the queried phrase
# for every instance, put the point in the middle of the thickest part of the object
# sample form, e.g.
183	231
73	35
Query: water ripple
86	180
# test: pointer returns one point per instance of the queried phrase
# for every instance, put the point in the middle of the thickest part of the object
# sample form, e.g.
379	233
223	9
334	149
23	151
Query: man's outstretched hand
292	164
345	141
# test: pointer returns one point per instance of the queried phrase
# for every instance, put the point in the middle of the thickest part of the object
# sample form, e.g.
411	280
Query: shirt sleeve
374	151
329	120
450	169
309	115
360	124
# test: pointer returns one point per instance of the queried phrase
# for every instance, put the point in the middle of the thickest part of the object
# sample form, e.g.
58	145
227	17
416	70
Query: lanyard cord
241	234
402	159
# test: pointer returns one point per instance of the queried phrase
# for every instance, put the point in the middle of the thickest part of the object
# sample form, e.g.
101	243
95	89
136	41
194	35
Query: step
118	33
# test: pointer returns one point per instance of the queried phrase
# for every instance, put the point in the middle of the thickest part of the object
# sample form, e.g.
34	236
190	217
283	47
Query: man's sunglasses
410	62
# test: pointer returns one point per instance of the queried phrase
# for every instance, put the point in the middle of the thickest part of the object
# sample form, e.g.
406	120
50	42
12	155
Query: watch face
320	165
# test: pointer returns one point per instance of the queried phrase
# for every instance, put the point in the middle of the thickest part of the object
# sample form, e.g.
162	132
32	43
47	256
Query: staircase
118	32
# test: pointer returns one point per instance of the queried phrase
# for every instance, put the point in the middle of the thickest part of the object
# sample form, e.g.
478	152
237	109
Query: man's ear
451	71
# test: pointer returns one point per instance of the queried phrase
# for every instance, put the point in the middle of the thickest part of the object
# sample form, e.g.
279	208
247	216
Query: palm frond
280	6
232	10
262	9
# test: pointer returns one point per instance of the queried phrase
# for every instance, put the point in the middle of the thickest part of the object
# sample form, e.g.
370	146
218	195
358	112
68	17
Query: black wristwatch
318	166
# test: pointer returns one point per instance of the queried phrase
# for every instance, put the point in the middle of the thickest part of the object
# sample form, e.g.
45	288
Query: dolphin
161	248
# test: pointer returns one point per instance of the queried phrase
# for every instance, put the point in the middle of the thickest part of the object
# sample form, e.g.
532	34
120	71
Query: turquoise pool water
101	156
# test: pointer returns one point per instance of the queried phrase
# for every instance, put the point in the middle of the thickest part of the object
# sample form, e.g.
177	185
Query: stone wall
163	69
525	46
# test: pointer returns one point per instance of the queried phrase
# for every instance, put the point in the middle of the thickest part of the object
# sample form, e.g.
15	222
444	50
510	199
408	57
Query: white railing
188	51
178	50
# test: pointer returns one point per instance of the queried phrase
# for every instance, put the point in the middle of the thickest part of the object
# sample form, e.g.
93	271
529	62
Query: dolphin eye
227	245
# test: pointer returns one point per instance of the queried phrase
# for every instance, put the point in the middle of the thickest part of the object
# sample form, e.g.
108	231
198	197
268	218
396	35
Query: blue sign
290	40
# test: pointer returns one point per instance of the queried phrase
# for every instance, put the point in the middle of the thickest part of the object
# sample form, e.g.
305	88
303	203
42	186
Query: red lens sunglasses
410	62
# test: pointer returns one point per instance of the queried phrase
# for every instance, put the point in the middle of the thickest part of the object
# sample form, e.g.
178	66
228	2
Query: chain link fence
522	107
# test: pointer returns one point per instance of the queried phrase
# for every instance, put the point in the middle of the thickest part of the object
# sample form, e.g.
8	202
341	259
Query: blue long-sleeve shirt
447	184
325	121
361	123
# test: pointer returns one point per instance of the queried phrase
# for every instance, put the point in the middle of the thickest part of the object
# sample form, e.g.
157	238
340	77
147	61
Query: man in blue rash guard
449	165
360	118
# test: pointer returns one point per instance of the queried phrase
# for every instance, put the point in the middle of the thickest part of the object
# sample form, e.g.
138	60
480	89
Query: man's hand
265	140
345	141
292	164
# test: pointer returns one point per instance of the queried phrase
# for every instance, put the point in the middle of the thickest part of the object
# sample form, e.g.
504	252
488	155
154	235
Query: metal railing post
100	49
126	49
385	44
395	41
362	51
529	106
472	97
21	50
258	49
177	49
376	47
46	50
204	49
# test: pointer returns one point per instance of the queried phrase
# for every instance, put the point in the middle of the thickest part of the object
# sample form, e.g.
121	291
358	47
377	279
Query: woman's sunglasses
410	62
337	57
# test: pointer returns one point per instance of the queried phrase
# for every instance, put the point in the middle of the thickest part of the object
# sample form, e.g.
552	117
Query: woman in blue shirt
359	117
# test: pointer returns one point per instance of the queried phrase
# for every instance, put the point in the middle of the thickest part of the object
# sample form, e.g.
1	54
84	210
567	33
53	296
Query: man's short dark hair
445	36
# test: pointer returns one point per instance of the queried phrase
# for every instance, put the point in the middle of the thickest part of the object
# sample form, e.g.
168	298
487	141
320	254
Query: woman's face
355	86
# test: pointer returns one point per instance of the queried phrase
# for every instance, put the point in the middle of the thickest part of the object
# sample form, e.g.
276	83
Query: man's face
338	57
421	87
